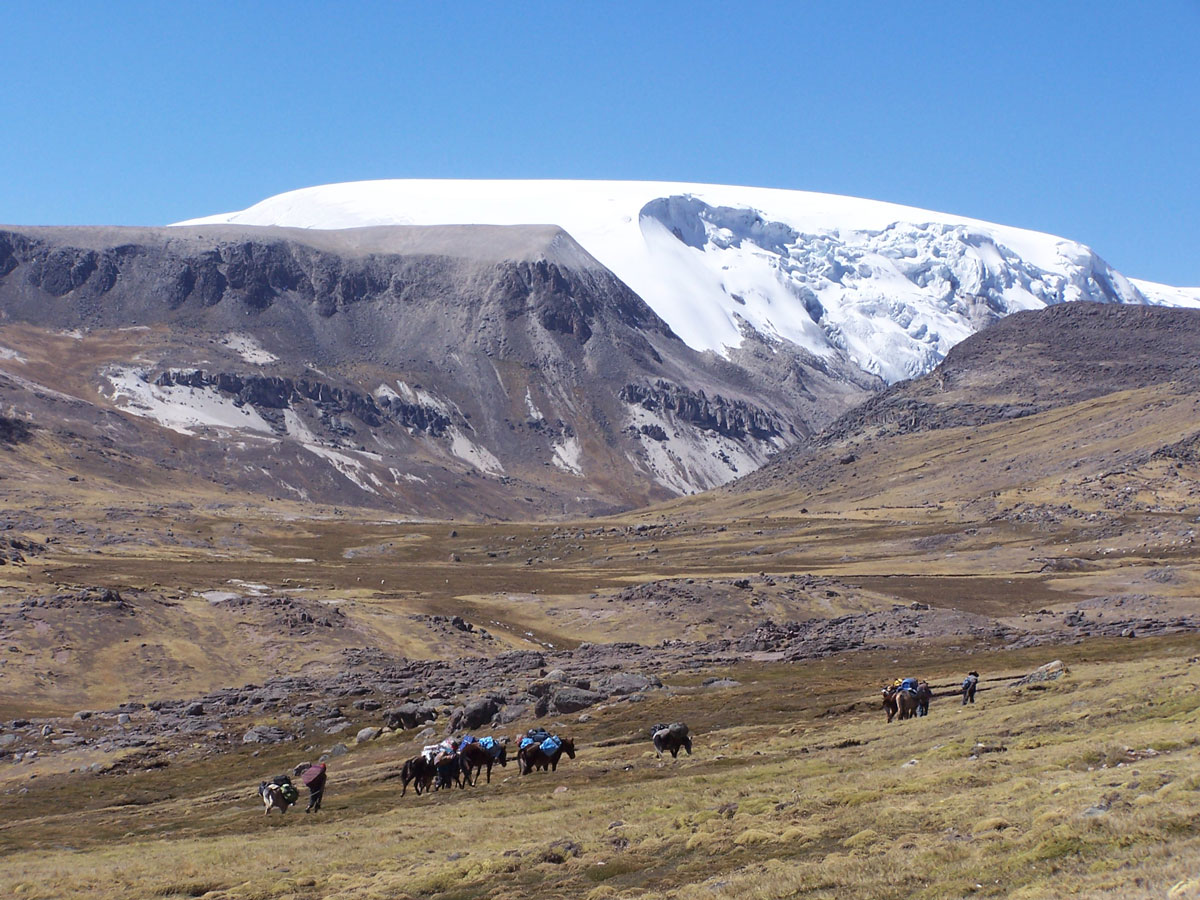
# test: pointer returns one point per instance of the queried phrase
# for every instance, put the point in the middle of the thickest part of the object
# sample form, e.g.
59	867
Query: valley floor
1083	786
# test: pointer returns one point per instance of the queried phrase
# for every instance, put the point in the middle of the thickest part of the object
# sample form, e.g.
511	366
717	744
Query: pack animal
672	738
419	771
476	758
534	756
912	704
448	771
274	796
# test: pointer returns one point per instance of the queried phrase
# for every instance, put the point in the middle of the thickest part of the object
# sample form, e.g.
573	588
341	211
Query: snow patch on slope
692	460
534	413
567	456
350	467
475	454
179	407
249	349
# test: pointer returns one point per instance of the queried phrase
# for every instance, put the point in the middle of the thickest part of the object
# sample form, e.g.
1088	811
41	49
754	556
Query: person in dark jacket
968	687
313	777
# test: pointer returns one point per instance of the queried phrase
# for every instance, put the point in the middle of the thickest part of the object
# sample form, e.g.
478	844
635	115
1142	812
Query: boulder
512	712
1049	672
409	715
266	734
477	713
367	734
573	699
520	660
622	683
194	709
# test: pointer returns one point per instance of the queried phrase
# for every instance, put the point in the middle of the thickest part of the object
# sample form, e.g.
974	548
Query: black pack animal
419	771
671	738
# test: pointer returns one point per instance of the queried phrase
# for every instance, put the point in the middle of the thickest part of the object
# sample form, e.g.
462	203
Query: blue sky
1081	119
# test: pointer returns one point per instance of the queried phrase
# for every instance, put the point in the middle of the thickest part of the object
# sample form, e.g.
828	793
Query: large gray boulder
266	734
409	715
573	699
623	683
477	713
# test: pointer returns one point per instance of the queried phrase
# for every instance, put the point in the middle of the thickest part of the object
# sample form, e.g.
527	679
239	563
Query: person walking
313	777
968	687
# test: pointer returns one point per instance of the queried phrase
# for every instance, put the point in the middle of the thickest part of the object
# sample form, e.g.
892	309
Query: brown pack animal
907	704
534	757
475	759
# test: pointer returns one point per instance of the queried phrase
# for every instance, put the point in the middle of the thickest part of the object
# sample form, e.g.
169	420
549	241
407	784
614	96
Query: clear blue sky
1077	118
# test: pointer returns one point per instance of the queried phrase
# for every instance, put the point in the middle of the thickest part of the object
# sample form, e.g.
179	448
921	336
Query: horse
534	756
911	704
272	797
671	737
448	769
475	758
419	770
889	703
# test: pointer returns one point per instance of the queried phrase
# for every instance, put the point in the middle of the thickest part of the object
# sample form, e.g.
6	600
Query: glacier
892	288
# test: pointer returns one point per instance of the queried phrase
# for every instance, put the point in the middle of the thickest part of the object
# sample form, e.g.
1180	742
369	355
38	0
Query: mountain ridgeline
457	370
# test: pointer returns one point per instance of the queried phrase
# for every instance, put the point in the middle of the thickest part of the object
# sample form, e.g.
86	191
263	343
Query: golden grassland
1086	786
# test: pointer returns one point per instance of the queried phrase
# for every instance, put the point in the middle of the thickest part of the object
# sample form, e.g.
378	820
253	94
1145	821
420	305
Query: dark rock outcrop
731	418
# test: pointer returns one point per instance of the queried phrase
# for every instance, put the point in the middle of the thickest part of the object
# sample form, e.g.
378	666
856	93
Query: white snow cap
893	287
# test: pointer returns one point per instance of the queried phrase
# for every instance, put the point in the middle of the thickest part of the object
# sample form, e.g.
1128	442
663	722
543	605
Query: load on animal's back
278	793
671	738
905	698
542	750
481	754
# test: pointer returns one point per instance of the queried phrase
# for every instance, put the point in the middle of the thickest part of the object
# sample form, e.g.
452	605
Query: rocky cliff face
419	369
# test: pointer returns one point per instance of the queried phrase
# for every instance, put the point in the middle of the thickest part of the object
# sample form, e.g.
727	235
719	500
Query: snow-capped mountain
891	288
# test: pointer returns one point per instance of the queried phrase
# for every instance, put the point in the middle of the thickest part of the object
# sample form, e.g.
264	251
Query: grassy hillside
1085	786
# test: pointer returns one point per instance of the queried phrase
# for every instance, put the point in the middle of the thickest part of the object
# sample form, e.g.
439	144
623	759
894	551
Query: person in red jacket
314	779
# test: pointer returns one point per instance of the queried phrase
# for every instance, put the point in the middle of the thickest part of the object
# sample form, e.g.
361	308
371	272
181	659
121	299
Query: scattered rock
560	851
367	734
573	699
266	734
477	713
409	715
1049	672
622	683
719	683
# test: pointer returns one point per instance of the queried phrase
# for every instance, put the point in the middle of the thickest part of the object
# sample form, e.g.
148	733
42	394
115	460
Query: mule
476	759
448	770
534	756
420	771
